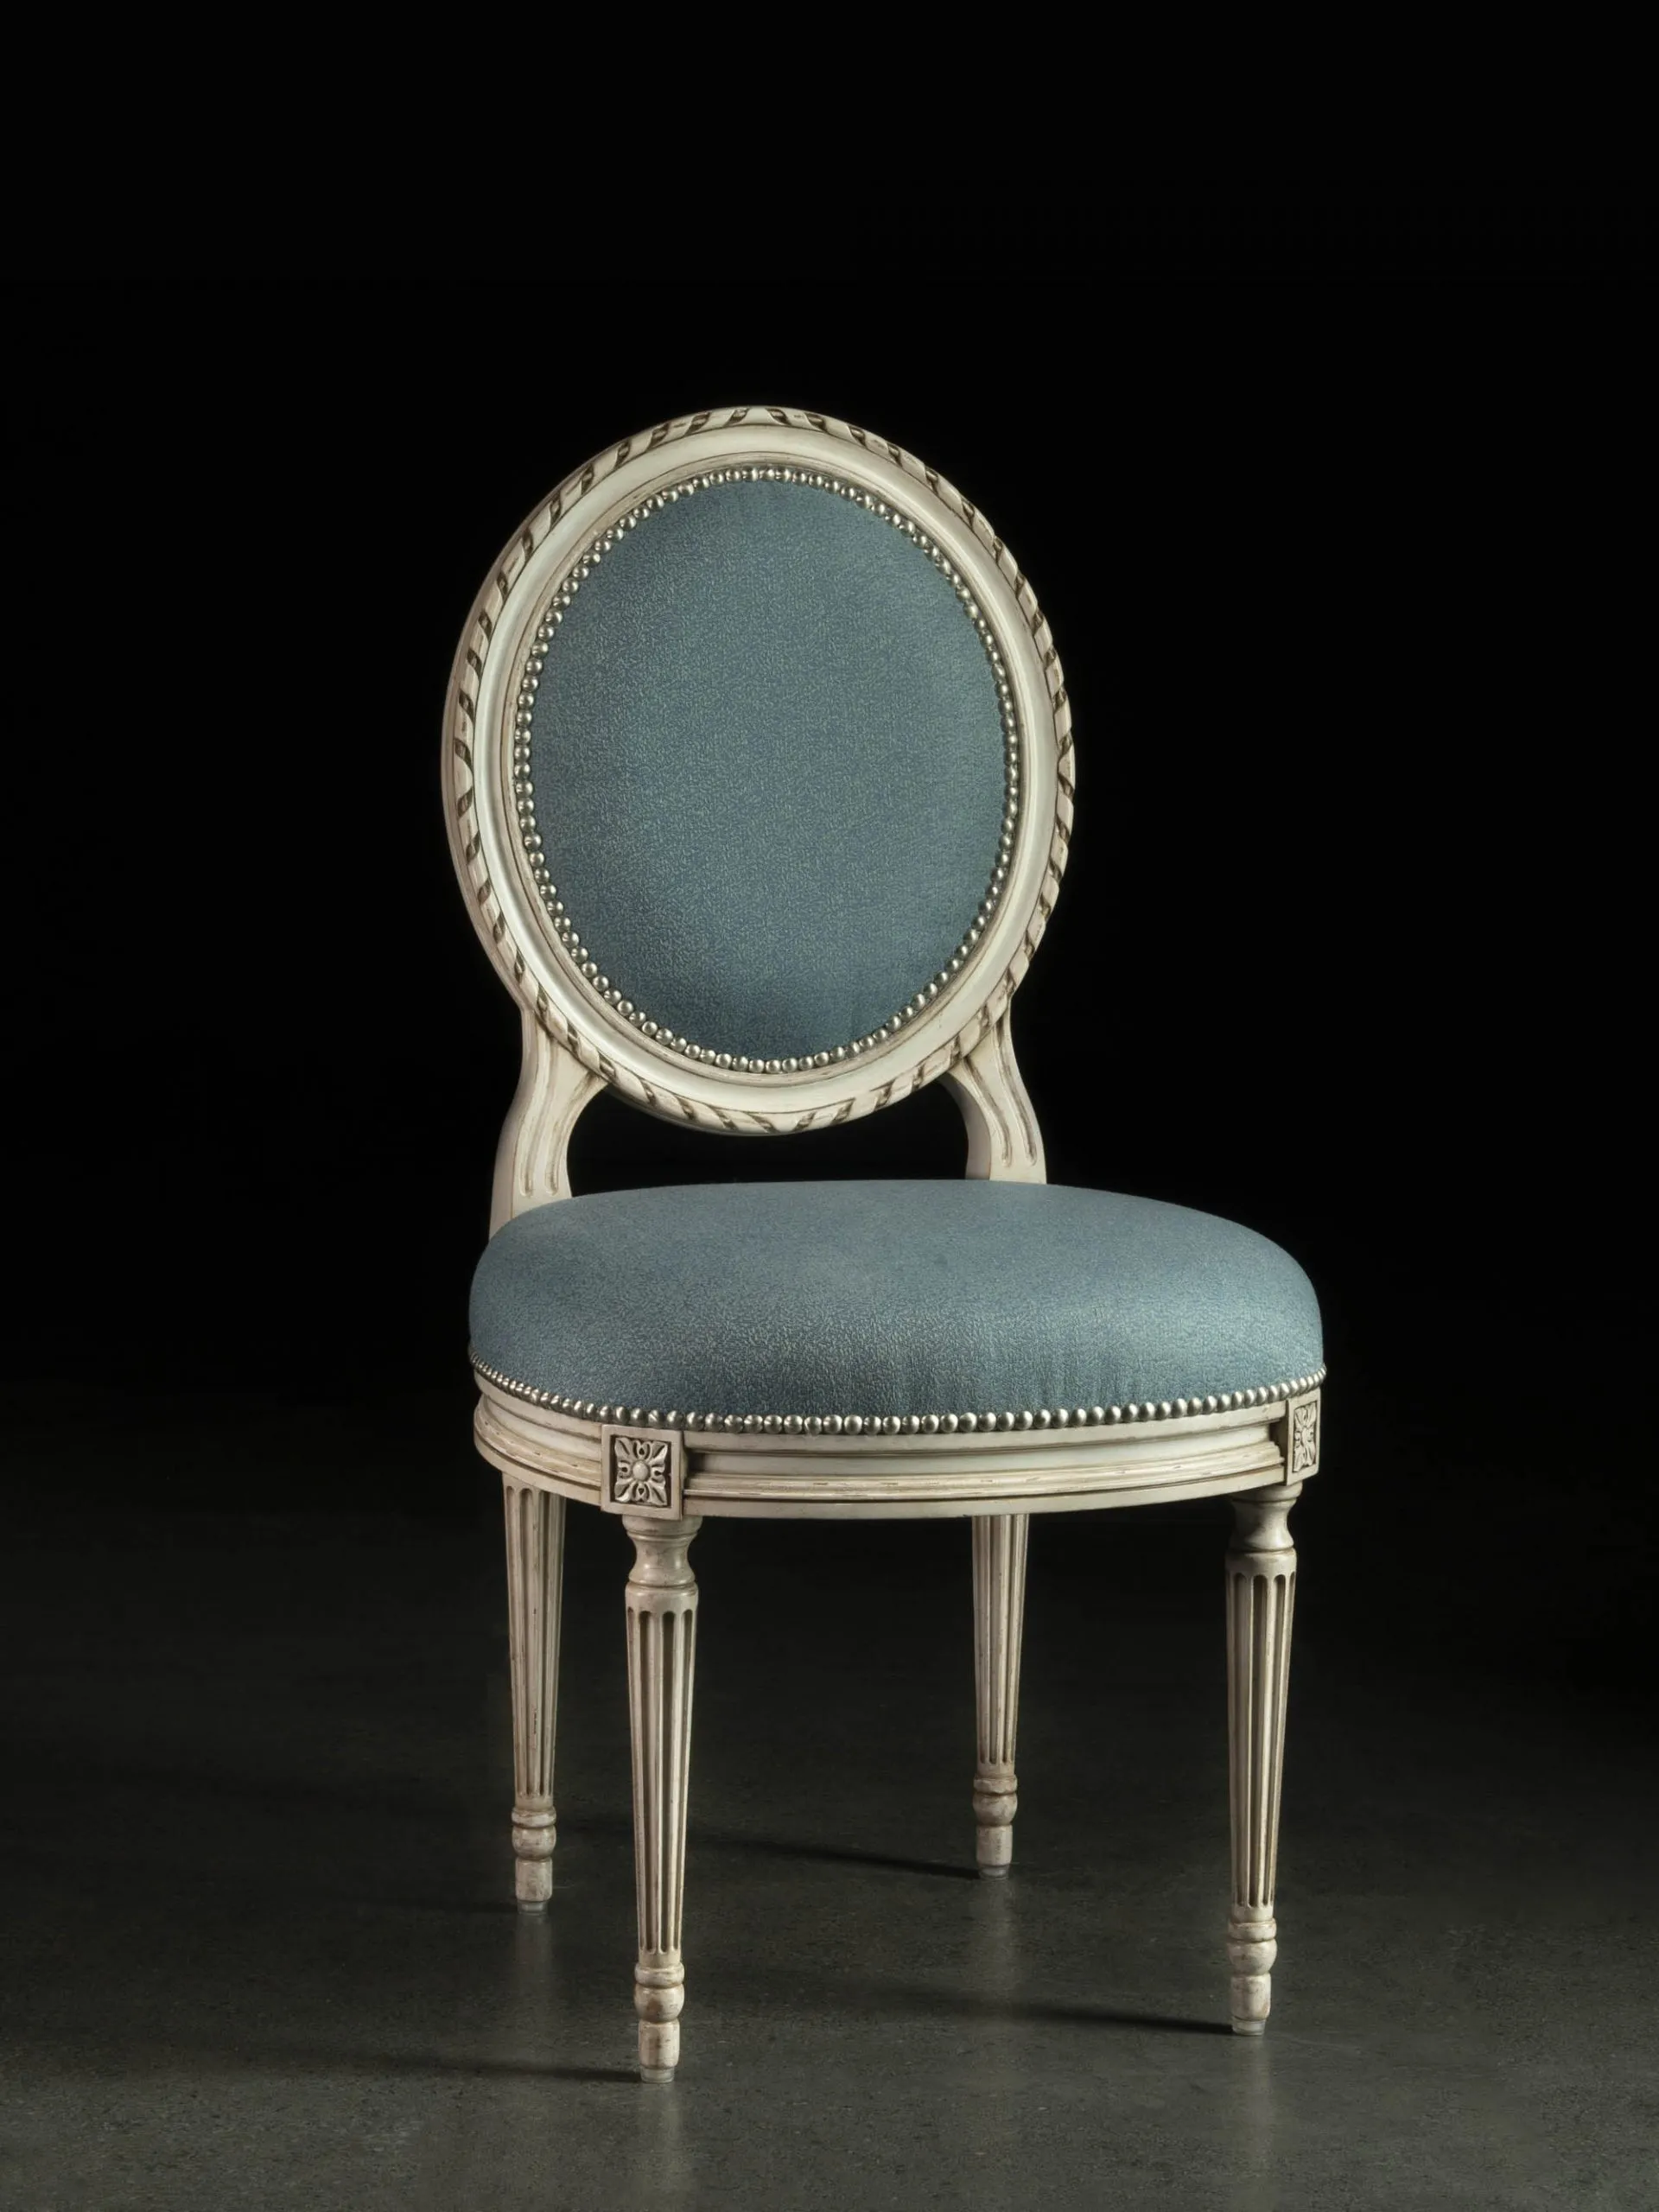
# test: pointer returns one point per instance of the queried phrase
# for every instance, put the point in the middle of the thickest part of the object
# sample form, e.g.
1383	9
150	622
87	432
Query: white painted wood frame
535	1520
999	1541
663	1478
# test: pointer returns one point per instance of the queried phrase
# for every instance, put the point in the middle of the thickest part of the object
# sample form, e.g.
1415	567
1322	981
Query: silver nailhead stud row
904	1424
523	787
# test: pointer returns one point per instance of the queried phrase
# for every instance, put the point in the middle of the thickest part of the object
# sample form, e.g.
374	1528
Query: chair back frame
578	1033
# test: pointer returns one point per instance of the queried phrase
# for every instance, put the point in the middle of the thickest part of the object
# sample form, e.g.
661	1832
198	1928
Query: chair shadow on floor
964	2005
829	1855
886	1997
986	2008
141	2053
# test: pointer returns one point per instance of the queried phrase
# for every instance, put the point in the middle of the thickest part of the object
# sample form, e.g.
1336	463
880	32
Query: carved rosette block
642	1470
535	1578
662	1607
1261	1597
999	1622
1302	1437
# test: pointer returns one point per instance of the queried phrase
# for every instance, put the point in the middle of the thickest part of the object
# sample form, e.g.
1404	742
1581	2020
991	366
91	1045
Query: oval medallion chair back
759	769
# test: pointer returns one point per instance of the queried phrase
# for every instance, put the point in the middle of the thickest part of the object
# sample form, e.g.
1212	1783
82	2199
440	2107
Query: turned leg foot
999	1621
535	1575
662	1606
1261	1595
1252	1947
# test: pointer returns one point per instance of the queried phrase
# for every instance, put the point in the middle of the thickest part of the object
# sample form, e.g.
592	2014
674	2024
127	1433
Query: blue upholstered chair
759	774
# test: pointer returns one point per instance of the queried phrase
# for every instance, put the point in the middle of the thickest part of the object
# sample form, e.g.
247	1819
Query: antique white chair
758	770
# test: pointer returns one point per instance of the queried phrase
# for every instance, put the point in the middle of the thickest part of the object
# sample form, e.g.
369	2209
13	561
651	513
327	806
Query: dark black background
1344	578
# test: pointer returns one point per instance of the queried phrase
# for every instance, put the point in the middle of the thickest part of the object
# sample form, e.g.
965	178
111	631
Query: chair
758	770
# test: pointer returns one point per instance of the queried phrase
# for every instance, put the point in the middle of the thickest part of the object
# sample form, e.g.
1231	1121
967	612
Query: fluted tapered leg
1260	1594
535	1578
999	1622
662	1648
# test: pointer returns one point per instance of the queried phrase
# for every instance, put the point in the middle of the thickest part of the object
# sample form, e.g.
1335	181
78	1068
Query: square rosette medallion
1304	1438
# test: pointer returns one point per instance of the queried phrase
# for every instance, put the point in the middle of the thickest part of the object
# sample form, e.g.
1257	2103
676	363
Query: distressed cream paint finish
662	1483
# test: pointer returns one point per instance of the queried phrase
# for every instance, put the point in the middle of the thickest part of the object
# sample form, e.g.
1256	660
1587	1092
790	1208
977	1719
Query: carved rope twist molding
463	777
999	1543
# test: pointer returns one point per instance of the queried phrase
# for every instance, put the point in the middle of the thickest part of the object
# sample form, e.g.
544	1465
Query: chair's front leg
1260	1595
534	1583
999	1622
662	1648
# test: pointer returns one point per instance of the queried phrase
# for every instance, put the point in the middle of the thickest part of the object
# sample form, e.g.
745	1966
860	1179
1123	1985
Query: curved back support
759	769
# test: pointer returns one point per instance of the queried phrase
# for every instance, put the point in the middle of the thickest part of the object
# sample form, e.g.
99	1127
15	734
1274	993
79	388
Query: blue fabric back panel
768	768
886	1298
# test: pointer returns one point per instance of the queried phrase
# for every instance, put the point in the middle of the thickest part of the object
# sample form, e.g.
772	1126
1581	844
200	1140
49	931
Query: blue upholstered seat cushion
886	1298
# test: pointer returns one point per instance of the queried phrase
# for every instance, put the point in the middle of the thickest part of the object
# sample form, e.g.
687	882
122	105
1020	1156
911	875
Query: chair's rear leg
535	1579
999	1622
1261	1595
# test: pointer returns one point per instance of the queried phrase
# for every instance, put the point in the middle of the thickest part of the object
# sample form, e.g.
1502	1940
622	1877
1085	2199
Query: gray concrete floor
260	1951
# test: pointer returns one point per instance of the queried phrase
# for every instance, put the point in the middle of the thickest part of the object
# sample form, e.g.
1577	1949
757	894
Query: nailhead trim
899	1424
523	788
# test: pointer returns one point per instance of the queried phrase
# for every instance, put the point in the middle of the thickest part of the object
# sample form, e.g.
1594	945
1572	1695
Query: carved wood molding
535	1522
642	1470
1004	1143
530	1161
874	1477
1260	1604
477	741
999	1543
662	1617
